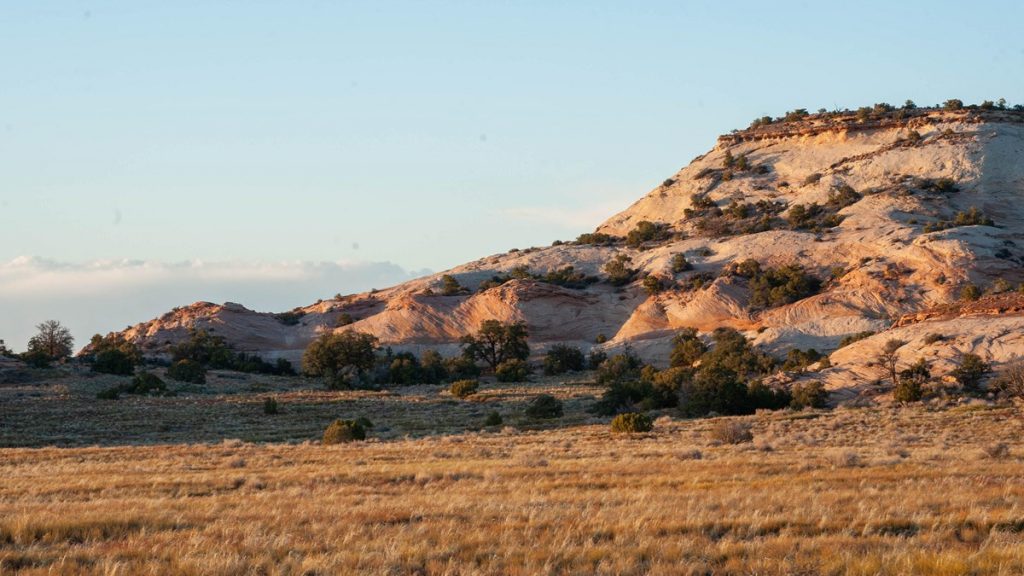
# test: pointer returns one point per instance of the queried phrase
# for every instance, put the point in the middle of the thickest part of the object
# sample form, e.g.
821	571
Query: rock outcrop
893	215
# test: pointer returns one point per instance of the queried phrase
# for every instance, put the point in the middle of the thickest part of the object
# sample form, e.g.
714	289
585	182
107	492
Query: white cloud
101	296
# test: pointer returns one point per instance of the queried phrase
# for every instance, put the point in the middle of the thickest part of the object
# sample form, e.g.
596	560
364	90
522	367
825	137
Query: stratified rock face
880	230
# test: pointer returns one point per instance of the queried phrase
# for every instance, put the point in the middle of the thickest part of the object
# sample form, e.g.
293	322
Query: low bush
270	406
647	232
513	370
772	287
970	371
680	264
562	358
544	406
851	338
187	371
464	388
631	423
808	395
493	419
143	384
731	432
618	271
461	368
597	239
344	431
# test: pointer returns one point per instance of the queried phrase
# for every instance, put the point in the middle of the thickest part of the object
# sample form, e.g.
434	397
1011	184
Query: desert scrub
632	422
731	432
851	338
808	395
544	406
464	388
343	431
270	406
514	370
187	371
562	358
142	384
493	419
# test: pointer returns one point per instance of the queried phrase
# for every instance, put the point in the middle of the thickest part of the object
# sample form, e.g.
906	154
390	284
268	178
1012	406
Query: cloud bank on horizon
106	295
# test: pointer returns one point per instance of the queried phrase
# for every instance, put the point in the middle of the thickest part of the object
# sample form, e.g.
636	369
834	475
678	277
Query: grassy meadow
206	483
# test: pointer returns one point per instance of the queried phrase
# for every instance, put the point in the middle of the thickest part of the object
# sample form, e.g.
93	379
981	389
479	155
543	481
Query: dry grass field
205	483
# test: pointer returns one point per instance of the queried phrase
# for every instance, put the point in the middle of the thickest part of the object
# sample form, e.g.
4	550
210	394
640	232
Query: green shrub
450	286
618	271
619	368
142	384
970	371
596	358
270	406
544	406
432	368
851	338
113	355
809	395
562	358
771	287
932	338
493	419
290	318
953	104
645	232
461	368
631	423
404	369
717	389
798	360
464	388
970	293
680	264
687	348
187	371
653	284
764	397
597	239
513	370
344	431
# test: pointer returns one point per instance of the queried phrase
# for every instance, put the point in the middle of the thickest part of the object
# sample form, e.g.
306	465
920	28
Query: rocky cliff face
887	217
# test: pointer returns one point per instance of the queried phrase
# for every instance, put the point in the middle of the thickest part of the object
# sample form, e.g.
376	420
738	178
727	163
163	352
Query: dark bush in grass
715	389
270	406
513	370
646	232
851	338
687	348
731	432
764	397
433	369
562	358
113	354
344	431
493	419
970	371
464	388
619	368
461	368
544	406
809	395
618	270
187	371
632	423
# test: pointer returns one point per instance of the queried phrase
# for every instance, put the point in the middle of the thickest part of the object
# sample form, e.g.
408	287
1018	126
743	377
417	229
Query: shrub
851	338
544	406
812	179
187	371
645	232
493	419
496	342
464	388
888	359
970	371
450	286
270	406
344	431
341	359
631	423
514	370
680	264
142	384
910	387
432	367
290	318
798	360
953	104
619	368
715	388
113	355
970	293
562	358
651	390
687	348
596	358
776	286
653	284
52	340
731	432
809	395
597	239
932	338
461	368
764	397
997	451
404	369
733	351
618	271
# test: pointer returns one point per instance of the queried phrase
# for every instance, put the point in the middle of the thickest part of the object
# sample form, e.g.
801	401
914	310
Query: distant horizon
271	138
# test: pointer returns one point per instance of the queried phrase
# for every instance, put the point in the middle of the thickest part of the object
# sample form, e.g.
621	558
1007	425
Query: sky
157	153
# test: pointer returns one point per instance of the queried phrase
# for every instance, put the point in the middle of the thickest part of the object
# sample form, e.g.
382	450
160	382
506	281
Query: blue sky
417	134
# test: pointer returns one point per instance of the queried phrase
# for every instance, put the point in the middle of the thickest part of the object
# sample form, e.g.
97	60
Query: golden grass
919	495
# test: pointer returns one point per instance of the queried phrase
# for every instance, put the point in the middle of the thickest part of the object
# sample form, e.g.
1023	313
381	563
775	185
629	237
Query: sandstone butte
880	197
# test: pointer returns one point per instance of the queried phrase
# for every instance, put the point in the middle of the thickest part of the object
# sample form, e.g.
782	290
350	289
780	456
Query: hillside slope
884	216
